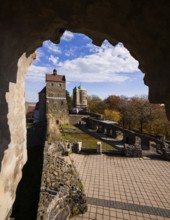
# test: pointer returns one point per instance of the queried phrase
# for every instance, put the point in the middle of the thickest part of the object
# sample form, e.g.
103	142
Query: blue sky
102	71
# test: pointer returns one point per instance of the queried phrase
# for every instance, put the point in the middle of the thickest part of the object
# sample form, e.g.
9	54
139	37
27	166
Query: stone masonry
56	102
53	104
61	193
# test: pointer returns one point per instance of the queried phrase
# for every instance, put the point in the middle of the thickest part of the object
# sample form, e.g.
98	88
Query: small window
52	84
62	102
59	85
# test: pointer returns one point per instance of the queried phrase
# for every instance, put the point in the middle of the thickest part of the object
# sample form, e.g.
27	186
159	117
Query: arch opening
109	68
23	32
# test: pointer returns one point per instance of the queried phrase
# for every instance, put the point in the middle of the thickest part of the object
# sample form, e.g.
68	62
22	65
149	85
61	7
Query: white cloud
52	47
93	48
39	53
37	73
96	49
105	64
70	52
53	59
67	36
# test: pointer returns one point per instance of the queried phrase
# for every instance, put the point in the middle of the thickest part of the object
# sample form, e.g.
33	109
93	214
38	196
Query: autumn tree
112	102
112	115
126	112
95	104
135	113
159	123
141	111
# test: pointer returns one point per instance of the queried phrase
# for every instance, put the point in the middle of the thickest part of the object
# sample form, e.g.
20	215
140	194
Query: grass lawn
73	134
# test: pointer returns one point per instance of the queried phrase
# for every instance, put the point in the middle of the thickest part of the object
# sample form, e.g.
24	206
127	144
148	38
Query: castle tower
80	98
76	97
56	103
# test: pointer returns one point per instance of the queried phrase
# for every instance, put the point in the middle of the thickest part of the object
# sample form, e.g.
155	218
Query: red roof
31	108
55	78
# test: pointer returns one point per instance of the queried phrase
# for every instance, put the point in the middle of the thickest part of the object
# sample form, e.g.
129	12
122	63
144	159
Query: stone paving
124	188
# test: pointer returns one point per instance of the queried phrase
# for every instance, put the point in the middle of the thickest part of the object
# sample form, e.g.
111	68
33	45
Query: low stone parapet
77	146
61	189
166	153
132	151
99	147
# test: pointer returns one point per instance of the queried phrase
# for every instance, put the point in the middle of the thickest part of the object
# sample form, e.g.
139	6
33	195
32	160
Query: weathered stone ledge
61	193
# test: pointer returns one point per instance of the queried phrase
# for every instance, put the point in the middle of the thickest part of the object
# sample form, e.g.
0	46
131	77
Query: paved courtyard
124	188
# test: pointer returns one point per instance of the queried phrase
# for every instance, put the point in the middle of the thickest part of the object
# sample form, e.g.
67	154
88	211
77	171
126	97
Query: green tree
69	100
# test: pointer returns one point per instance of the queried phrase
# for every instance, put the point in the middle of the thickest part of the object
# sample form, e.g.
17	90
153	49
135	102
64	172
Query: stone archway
143	27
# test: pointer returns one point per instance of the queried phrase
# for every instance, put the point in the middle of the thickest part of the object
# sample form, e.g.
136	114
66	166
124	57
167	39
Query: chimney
54	72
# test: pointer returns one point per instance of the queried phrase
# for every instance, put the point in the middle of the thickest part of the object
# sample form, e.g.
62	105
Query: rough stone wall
76	97
83	98
76	119
79	98
56	101
56	109
15	154
42	107
61	189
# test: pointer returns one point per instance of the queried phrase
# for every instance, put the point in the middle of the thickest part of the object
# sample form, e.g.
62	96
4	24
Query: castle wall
56	102
42	107
13	153
77	119
76	98
80	98
83	98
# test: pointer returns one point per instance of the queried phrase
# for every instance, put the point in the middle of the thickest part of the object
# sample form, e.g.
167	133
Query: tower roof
75	88
80	87
55	78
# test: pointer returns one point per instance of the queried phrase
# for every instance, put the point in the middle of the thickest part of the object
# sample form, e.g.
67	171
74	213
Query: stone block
76	148
133	151
99	147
